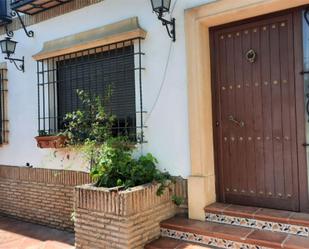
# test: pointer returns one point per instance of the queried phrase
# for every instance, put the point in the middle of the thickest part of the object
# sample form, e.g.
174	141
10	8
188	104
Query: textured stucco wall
167	133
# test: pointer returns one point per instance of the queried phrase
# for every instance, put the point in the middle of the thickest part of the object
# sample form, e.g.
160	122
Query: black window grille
3	105
114	67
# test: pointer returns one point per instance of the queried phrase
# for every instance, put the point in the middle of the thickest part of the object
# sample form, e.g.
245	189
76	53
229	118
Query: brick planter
125	219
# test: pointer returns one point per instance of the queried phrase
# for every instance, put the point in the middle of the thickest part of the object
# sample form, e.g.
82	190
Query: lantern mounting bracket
29	33
8	32
160	8
170	26
8	47
21	66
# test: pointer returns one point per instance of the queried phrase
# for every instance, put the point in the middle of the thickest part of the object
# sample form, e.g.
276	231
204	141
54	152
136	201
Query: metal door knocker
251	56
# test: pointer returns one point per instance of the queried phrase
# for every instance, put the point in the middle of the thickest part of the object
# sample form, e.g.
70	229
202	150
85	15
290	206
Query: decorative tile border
258	224
206	240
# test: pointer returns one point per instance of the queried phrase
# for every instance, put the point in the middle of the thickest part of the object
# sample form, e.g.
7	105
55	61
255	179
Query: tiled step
228	236
259	218
167	243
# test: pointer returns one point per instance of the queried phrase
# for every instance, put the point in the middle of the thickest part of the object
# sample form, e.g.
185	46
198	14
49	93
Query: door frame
299	103
198	20
300	107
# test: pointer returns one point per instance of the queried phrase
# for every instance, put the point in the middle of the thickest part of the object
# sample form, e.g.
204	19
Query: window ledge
112	33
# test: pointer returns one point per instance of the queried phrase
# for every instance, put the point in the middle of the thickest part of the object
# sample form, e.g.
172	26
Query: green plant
114	165
111	158
92	123
178	200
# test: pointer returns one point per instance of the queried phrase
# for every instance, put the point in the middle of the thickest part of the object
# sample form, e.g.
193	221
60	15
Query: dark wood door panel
256	113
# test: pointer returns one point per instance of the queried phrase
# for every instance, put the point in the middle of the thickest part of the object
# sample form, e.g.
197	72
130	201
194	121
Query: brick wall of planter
123	220
42	196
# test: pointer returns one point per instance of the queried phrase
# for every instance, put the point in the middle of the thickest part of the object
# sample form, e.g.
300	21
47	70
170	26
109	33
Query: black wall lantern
8	47
160	7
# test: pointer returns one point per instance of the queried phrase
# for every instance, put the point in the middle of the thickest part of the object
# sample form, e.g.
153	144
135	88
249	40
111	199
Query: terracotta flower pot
54	142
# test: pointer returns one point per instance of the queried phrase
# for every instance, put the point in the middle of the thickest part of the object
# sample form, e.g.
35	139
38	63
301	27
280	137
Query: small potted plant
45	140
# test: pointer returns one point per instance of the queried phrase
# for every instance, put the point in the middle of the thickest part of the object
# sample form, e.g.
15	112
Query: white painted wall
167	133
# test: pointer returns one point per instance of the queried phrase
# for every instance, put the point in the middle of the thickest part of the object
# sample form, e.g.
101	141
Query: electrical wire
174	6
164	74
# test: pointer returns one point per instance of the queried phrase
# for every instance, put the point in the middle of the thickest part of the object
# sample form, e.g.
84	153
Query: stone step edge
213	241
178	244
257	223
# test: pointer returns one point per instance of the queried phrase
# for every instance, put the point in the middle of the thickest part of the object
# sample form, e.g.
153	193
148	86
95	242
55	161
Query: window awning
31	7
124	30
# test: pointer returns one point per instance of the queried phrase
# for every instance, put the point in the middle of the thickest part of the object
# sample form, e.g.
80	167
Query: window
3	105
115	67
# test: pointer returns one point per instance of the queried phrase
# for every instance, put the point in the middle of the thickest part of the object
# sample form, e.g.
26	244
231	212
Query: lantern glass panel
3	46
8	46
161	6
11	45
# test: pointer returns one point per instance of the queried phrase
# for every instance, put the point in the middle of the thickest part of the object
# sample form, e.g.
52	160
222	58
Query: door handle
235	121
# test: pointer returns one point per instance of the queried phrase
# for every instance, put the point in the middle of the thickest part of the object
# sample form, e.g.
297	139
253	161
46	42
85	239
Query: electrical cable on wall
164	74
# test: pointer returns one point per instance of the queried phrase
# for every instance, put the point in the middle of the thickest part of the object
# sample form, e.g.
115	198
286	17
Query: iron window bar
91	70
3	105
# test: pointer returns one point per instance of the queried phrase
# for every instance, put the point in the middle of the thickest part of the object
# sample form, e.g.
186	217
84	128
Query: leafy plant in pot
114	166
111	158
55	141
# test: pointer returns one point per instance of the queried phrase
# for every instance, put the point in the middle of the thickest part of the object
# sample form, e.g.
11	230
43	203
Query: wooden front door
254	86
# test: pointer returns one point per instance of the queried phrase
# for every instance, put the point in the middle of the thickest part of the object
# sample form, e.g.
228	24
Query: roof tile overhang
121	31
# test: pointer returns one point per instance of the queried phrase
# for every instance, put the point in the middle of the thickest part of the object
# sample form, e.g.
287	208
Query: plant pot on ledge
51	142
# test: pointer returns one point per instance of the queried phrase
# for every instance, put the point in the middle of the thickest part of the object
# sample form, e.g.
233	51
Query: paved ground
16	234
